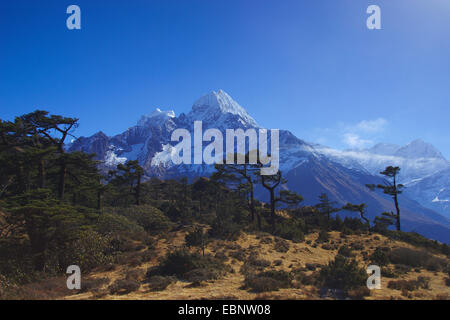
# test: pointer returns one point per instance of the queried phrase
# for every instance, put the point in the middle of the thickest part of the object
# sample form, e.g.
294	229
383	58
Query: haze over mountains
310	169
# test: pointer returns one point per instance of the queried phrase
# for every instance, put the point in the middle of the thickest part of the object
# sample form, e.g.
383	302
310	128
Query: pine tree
326	207
392	189
271	183
242	176
129	175
360	208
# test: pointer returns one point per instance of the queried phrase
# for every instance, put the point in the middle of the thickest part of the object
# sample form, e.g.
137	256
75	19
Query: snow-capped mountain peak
216	107
158	116
419	149
386	149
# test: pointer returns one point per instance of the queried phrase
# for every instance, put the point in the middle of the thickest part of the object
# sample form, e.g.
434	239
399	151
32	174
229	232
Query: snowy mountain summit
156	117
416	149
220	110
419	149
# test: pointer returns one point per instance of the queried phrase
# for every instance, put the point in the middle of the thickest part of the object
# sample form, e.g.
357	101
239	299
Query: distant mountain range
424	171
310	169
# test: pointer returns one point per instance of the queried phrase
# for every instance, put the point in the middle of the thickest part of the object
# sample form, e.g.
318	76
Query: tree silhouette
56	129
129	175
326	207
243	177
383	222
393	189
360	208
271	183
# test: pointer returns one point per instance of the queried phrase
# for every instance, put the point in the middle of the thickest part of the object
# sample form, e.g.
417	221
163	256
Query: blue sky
311	67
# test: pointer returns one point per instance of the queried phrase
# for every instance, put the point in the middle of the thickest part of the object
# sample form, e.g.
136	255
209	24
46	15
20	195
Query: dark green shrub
180	262
436	264
89	250
291	229
324	236
268	281
354	224
402	269
151	219
201	274
409	257
254	260
408	285
93	284
357	246
301	277
197	238
359	293
136	275
312	266
111	223
388	272
418	240
343	273
238	255
417	258
261	284
423	282
281	245
224	229
345	251
227	224
327	246
16	263
266	240
123	286
159	283
379	257
277	263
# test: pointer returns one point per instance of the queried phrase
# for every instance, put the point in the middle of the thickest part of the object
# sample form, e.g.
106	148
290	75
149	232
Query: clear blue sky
308	66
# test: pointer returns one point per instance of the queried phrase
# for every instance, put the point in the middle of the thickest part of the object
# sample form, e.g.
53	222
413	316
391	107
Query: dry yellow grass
298	255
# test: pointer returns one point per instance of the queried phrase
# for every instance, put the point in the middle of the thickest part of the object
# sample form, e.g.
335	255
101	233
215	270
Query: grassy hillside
301	260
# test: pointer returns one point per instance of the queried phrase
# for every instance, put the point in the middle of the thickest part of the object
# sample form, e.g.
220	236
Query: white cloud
353	140
371	126
355	136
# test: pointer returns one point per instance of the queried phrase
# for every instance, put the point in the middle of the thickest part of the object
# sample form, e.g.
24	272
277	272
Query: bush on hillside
343	273
112	223
379	257
180	262
150	218
268	281
417	258
89	250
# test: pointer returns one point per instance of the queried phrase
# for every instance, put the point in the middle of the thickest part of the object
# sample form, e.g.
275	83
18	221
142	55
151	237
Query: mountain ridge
309	169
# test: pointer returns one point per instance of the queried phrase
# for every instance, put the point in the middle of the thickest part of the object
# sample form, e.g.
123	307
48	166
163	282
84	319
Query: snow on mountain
156	117
310	169
219	110
432	192
412	168
424	171
386	149
419	149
